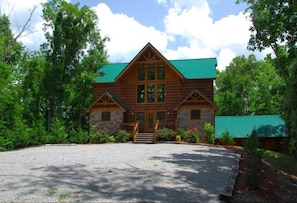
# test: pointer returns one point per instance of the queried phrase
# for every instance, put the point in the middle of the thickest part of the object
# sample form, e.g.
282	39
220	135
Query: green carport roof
241	126
189	68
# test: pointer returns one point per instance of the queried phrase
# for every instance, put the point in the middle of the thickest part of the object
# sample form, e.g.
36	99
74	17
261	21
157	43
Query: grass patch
63	197
53	190
281	161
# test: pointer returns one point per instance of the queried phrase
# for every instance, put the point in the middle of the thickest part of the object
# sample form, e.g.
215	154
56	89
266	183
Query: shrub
292	146
192	135
122	136
79	136
20	136
111	138
209	130
251	143
251	146
38	130
165	134
182	133
58	132
178	138
5	144
227	139
98	135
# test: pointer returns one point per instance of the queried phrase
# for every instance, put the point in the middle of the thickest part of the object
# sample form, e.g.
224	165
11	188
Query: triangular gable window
196	99
107	102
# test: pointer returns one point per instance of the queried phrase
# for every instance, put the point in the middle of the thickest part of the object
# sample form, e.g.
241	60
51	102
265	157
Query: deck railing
155	131
135	131
132	128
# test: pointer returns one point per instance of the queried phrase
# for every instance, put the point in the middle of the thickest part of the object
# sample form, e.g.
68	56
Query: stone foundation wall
116	117
184	120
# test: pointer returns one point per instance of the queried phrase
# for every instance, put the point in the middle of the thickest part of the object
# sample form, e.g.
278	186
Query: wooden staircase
144	138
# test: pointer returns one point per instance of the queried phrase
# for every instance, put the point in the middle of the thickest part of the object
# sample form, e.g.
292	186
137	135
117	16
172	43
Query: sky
179	29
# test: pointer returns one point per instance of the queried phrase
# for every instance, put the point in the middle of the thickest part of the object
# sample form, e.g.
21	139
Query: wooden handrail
135	131
155	131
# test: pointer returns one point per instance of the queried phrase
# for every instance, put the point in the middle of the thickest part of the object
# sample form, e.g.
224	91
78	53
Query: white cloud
205	37
127	36
224	58
19	12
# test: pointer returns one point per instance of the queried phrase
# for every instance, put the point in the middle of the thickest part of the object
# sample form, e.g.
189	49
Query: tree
248	87
11	108
74	50
274	26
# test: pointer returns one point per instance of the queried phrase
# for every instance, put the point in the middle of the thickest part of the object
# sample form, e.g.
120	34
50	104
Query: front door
147	120
150	121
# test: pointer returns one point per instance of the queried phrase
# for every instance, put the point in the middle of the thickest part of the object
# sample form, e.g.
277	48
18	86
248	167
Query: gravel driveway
115	173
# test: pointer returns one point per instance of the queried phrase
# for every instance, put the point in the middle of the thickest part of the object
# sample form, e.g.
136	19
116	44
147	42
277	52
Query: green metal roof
109	72
196	68
241	126
189	68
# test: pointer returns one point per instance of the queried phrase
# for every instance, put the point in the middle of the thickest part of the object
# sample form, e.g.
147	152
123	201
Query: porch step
145	138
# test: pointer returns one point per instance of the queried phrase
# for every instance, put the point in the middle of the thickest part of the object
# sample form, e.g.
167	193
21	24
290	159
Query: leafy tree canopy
248	87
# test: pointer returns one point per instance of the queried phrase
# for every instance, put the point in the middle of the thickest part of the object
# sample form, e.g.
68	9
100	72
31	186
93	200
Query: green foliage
192	135
210	135
165	134
99	135
5	144
227	139
292	146
122	136
182	133
79	136
20	135
251	146
58	132
178	138
252	142
241	86
111	138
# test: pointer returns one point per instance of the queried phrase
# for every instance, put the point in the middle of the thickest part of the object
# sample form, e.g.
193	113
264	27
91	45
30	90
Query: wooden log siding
128	97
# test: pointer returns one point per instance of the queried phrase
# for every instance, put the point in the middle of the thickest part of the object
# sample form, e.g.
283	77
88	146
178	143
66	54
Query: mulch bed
274	186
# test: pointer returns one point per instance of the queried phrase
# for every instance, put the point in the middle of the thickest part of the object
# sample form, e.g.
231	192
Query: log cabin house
152	92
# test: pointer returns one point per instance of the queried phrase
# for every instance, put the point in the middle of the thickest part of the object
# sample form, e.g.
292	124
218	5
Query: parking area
115	173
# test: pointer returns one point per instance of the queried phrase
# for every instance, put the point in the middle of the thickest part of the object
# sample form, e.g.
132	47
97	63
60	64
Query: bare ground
275	185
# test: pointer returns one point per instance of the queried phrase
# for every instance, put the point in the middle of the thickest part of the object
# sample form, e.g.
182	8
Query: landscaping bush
98	135
165	134
251	146
192	135
182	133
178	138
227	139
38	130
5	144
58	132
122	136
79	136
111	138
210	135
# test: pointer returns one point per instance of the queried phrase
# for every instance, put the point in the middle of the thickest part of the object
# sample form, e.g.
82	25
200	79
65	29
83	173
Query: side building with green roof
271	129
151	91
